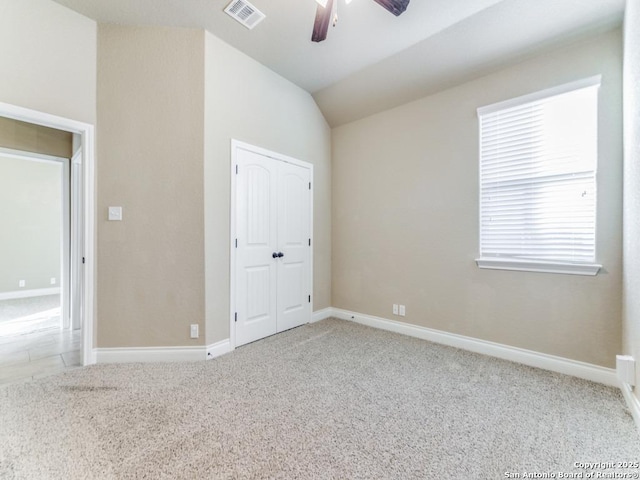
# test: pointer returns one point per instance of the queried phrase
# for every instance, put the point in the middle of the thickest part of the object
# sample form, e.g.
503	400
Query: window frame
528	265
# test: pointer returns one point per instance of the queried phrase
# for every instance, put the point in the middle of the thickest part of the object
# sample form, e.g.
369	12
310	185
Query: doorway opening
35	202
48	302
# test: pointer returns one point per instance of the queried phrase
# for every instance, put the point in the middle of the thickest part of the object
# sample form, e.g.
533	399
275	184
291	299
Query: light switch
194	331
115	213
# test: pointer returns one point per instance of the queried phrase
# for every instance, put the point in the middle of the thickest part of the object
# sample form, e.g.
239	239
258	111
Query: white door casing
271	243
77	234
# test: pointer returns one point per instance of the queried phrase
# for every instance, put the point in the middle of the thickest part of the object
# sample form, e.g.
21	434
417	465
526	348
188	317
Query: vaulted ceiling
371	59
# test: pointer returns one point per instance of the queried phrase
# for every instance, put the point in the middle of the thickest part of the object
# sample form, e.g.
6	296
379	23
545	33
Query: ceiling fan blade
321	24
396	7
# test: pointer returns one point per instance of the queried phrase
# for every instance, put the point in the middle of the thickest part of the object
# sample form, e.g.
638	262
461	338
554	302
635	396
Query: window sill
538	266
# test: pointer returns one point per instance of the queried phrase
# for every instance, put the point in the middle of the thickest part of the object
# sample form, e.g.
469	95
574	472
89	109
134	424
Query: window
538	160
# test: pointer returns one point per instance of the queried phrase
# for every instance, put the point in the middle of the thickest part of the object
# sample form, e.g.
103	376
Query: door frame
237	145
84	237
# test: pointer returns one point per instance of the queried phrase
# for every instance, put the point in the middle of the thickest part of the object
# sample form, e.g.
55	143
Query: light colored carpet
332	400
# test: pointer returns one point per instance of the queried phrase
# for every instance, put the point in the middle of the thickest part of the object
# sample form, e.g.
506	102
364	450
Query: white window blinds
538	158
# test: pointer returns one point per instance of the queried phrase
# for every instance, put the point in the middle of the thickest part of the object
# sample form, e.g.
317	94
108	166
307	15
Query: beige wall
48	57
28	137
405	218
150	161
164	133
631	309
248	102
31	213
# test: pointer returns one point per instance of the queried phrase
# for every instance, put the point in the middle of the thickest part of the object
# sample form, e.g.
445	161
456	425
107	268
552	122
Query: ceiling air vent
245	13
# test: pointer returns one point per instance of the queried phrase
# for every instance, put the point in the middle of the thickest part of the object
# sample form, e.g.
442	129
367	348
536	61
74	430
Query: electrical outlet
402	310
22	283
395	309
53	280
194	331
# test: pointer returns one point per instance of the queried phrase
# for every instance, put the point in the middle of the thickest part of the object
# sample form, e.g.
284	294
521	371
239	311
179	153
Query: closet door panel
256	231
294	289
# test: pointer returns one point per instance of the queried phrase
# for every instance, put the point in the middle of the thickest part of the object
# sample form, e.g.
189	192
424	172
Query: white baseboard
322	314
218	349
40	292
587	371
161	354
150	354
632	402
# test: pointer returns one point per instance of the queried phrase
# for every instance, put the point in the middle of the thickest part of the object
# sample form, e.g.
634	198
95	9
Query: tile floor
35	355
32	344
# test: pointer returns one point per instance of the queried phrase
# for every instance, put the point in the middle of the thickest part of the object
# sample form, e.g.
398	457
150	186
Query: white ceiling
372	54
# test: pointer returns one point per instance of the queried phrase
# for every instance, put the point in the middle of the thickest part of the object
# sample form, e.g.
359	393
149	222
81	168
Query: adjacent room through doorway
37	332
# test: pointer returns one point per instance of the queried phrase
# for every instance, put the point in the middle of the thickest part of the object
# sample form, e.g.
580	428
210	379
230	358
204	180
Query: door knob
274	255
280	254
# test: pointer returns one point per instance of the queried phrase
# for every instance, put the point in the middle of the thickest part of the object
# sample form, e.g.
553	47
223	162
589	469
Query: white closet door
294	289
256	231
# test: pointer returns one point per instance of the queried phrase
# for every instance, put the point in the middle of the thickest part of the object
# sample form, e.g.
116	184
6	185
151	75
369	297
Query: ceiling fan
327	13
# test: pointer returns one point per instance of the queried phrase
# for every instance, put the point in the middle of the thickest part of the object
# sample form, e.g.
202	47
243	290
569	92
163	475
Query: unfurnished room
321	239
